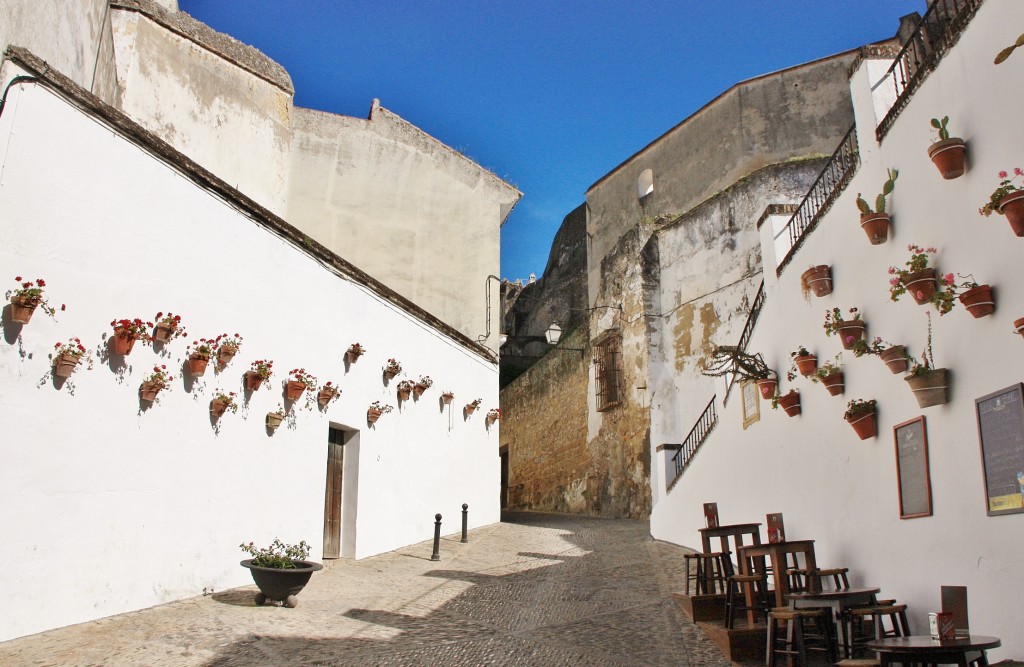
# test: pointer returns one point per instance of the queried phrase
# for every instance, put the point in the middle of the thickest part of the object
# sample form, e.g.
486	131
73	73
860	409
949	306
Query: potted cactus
947	153
875	223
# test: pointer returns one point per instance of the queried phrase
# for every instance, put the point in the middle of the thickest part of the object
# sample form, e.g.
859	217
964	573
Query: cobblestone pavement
537	589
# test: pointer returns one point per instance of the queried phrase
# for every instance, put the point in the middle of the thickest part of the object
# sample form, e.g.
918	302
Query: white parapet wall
831	486
109	504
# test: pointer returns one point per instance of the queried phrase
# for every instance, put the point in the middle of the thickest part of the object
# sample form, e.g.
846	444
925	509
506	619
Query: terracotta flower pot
806	364
123	344
418	389
931	389
274	420
294	389
352	357
149	390
252	380
325	396
920	285
65	365
197	364
470	409
404	394
979	301
162	332
767	387
1012	206
218	407
390	375
791	403
864	425
876	226
834	383
1018	326
226	353
22	308
850	331
819	279
948	156
373	415
895	358
447	398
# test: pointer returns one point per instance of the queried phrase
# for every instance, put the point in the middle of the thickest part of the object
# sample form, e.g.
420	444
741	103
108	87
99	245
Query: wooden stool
802	579
780	644
856	620
859	662
709	574
736	600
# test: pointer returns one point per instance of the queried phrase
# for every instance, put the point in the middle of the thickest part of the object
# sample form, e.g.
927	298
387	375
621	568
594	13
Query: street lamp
554	334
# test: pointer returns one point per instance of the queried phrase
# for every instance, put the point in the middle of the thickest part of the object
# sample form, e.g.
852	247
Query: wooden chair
708	572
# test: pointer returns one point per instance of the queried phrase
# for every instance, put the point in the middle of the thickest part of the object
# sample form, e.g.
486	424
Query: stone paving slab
536	589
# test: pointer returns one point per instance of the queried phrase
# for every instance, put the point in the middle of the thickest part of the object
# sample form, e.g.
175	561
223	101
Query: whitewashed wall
121	507
831	486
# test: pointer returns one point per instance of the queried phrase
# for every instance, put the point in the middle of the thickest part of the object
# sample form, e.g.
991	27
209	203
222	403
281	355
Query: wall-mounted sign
751	403
1001	432
912	478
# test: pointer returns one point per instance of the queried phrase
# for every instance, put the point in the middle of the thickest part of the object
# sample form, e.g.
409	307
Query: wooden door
504	478
332	497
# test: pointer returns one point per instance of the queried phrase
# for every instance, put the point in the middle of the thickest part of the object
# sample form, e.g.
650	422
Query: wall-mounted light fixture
554	334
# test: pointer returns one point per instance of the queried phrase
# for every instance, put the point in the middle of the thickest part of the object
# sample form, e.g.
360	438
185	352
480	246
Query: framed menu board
912	477
1001	432
751	403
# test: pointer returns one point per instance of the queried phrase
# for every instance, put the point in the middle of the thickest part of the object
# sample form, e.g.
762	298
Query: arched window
645	184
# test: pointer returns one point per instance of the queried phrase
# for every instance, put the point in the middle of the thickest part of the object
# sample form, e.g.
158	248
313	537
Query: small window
645	184
608	371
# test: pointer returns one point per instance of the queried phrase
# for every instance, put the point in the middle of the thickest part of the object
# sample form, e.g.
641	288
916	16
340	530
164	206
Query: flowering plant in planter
922	281
168	327
828	368
278	555
73	348
159	376
447	396
226	347
858	407
201	349
67	356
222	402
264	368
377	409
405	388
135	329
354	351
849	331
926	366
802	361
875	347
1004	188
422	385
327	393
493	415
301	375
27	298
274	418
834	318
392	368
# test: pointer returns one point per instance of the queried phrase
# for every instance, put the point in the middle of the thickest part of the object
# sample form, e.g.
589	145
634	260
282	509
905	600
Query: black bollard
437	538
465	523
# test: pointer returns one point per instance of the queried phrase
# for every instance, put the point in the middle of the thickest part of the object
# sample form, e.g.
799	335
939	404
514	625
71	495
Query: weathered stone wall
545	431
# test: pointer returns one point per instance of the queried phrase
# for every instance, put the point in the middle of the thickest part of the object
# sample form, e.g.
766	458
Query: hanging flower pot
253	380
1018	326
876	226
65	364
447	397
163	332
864	425
149	390
806	364
979	300
1012	206
22	308
354	351
372	415
393	368
326	395
767	387
850	331
834	383
197	364
817	279
895	358
405	388
123	344
930	388
921	285
225	353
948	156
274	420
294	389
791	402
218	407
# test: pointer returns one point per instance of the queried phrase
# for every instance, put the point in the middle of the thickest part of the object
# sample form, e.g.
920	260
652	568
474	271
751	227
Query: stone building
124	187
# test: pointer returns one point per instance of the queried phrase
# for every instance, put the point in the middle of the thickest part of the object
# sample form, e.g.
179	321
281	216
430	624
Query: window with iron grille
608	370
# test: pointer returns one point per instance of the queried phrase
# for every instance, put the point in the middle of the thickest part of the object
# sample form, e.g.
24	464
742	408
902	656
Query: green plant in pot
280	570
875	223
861	415
1008	200
830	374
948	152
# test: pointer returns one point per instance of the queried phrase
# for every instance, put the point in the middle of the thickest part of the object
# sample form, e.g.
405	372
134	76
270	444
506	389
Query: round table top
923	643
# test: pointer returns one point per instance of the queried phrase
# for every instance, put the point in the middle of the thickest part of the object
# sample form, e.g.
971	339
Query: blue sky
548	94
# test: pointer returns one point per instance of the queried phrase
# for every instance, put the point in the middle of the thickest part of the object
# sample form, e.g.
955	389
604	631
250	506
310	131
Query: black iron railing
748	330
936	32
698	434
831	182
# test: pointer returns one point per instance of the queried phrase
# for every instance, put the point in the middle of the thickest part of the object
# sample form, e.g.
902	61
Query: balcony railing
748	330
698	434
937	31
830	184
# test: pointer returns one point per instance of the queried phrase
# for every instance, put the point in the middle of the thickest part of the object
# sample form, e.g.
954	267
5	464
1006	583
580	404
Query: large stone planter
279	584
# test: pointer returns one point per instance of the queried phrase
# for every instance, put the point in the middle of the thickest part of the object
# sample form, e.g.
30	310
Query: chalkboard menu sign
915	487
1001	431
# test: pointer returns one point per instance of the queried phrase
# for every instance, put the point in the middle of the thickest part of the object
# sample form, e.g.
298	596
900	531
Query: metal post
465	523
437	538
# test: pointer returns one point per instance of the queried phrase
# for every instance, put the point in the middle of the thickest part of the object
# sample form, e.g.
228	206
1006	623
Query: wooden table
736	531
777	552
924	649
836	601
